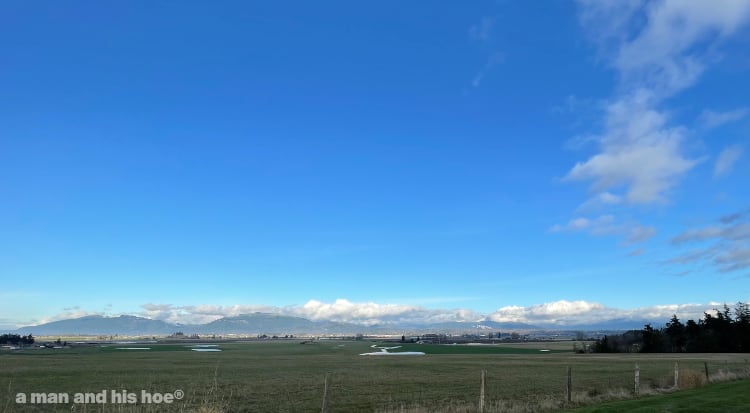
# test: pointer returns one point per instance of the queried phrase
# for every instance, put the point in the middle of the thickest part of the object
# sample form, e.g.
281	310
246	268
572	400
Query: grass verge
731	396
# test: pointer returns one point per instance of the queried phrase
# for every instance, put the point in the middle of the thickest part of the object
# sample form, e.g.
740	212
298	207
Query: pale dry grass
691	379
727	375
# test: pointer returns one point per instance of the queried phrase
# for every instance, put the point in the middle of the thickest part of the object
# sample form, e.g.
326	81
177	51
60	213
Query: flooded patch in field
206	349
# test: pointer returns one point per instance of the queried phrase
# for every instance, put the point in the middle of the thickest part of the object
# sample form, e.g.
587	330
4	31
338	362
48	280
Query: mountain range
278	324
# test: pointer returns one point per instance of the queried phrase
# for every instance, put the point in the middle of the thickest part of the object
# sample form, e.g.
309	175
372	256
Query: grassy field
289	377
725	397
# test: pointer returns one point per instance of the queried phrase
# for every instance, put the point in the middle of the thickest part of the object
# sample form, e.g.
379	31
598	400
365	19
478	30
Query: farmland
289	376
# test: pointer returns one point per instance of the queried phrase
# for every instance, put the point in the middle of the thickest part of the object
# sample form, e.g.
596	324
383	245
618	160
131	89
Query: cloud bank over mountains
560	313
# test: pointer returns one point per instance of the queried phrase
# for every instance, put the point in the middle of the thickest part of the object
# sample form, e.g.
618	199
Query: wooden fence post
570	385
705	367
637	383
676	375
482	384
325	395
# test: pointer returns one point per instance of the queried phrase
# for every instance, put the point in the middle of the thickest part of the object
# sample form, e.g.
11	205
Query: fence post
570	385
325	395
705	367
637	383
676	375
481	390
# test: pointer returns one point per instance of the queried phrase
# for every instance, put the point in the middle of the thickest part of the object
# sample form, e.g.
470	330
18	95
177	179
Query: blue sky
369	162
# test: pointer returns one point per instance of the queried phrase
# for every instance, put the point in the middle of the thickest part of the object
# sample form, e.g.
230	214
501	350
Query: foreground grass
289	377
724	397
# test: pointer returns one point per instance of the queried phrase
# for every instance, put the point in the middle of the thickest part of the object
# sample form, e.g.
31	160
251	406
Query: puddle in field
206	349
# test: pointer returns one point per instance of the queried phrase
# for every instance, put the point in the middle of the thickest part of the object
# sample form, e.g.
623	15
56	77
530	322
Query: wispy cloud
712	119
725	245
632	231
639	233
482	31
602	199
726	160
657	49
494	60
637	252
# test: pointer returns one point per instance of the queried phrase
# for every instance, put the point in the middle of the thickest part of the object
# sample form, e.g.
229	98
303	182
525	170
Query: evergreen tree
676	333
652	340
694	337
742	327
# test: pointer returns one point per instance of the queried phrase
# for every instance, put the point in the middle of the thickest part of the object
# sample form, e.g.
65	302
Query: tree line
725	331
15	339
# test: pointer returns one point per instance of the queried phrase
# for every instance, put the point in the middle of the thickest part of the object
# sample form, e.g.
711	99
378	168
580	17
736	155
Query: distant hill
96	325
278	324
267	323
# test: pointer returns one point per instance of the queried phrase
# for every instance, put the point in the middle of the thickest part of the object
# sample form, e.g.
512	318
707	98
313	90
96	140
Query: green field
726	397
289	376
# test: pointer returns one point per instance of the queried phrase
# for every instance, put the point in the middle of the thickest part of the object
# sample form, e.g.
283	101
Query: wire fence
554	387
498	385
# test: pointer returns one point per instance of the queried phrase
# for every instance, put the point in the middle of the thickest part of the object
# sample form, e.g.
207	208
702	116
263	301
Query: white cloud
638	152
199	314
373	313
657	49
345	310
68	313
341	310
673	46
552	312
726	160
559	313
563	312
712	119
